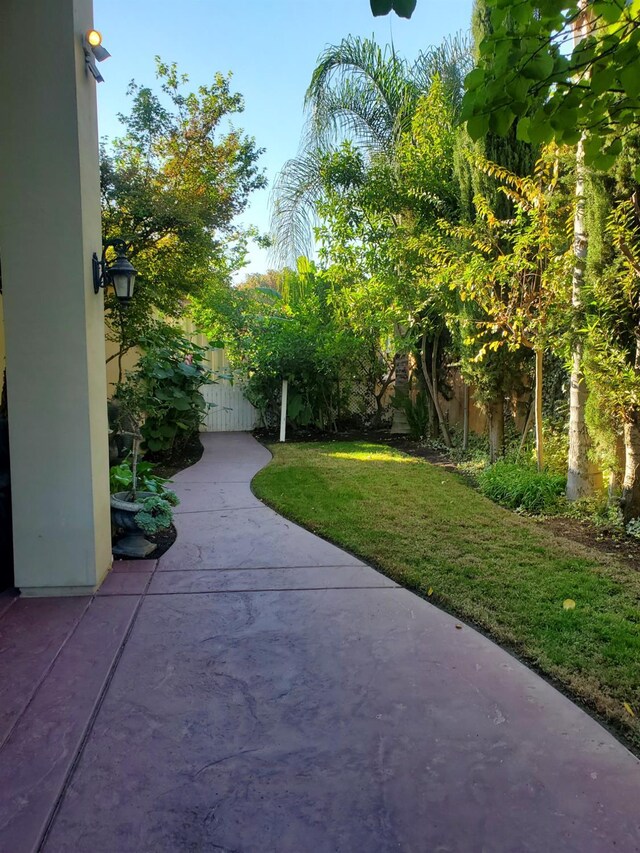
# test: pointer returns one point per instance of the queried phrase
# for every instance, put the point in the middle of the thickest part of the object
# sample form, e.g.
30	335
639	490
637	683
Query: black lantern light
121	274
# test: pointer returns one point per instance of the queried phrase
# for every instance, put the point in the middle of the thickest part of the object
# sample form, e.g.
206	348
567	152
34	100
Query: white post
283	410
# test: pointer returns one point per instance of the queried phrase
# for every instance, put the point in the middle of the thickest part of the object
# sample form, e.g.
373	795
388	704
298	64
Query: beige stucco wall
54	322
129	361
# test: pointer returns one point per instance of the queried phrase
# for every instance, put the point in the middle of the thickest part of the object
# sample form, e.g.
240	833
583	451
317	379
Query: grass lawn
431	532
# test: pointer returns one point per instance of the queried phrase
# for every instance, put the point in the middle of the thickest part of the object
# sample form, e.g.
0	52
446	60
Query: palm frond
368	82
296	191
451	61
367	95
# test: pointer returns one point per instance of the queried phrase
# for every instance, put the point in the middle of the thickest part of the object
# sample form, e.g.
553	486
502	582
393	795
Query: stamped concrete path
260	690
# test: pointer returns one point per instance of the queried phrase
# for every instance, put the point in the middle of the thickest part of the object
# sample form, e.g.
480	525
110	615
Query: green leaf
630	79
609	9
477	126
295	404
540	131
600	160
614	148
404	8
497	17
522	131
520	13
182	405
381	7
602	78
474	79
269	291
518	89
592	146
538	67
500	121
569	136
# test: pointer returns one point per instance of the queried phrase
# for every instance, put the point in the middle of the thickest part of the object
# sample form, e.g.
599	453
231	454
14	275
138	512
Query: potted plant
141	505
140	502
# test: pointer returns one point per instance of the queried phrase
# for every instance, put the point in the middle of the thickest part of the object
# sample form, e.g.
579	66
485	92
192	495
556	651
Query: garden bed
187	456
509	575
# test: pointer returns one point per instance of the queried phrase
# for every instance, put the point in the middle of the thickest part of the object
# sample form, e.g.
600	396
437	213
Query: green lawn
428	530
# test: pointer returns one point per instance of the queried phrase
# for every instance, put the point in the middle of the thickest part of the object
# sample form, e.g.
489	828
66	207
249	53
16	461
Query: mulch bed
164	539
184	458
624	548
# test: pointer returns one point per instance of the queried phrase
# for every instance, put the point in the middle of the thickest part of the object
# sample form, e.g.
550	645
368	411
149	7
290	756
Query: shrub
521	487
121	478
162	395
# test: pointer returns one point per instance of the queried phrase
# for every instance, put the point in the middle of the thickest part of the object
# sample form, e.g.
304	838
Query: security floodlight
94	52
94	38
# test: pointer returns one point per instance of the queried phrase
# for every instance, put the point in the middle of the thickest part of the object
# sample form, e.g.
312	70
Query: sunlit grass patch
364	456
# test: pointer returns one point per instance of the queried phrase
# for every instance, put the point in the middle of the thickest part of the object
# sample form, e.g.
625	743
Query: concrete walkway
260	690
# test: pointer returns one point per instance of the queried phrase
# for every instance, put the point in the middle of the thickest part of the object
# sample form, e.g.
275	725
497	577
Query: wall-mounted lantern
121	274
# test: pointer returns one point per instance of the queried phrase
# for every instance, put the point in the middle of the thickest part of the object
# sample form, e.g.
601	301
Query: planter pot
123	513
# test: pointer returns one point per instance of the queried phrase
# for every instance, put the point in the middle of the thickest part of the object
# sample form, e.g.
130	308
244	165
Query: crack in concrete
225	758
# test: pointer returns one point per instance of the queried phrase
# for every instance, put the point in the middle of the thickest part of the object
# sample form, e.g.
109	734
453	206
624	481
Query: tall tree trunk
432	383
630	502
538	412
496	429
580	475
434	427
616	478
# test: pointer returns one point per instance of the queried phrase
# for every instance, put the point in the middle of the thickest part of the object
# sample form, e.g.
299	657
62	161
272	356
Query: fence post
283	410
465	418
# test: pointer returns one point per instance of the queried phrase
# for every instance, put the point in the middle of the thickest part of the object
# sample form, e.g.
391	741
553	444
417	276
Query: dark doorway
6	533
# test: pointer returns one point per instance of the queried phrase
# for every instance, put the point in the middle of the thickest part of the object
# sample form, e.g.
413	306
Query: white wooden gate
231	411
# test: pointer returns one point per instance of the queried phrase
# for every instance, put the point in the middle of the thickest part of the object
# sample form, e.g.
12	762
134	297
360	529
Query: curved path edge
277	694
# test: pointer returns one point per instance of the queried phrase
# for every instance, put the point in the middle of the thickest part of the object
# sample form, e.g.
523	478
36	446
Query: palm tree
364	94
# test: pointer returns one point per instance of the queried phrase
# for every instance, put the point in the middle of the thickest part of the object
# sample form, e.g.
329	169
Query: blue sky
271	47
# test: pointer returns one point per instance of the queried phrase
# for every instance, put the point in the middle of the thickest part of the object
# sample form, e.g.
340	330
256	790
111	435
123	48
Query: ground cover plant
521	487
430	531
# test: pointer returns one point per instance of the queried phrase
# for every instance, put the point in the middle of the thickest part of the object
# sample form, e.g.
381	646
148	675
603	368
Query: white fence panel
231	411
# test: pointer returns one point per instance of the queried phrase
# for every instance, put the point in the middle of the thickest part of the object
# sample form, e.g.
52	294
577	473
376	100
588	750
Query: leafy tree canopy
172	187
558	69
